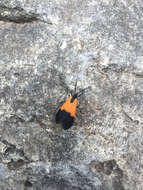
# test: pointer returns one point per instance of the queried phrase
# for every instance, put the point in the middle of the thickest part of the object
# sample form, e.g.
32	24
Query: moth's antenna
75	86
76	95
80	93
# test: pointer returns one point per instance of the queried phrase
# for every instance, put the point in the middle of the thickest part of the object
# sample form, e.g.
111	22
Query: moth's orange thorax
70	107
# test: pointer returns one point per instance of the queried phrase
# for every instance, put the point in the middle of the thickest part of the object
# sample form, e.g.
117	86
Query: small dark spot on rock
107	167
10	150
20	152
136	122
13	165
28	184
16	74
118	172
99	167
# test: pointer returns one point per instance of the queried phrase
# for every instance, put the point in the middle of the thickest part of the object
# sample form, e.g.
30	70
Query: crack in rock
18	15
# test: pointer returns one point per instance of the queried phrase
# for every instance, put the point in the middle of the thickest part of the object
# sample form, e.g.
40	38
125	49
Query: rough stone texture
44	47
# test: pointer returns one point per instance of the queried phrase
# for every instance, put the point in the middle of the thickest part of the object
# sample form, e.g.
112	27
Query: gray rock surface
45	46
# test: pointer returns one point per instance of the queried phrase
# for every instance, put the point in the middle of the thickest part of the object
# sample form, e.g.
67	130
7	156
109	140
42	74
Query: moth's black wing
67	121
64	118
